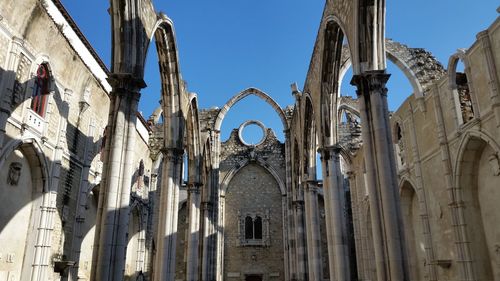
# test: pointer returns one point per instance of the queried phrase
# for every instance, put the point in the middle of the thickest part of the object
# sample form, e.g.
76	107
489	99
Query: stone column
289	242
356	216
169	206
194	232
300	248
333	187
113	211
206	239
381	175
312	231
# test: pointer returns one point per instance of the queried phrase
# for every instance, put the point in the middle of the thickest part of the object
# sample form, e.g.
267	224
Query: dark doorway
253	277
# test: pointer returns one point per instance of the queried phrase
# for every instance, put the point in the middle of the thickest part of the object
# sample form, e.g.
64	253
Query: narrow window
41	90
248	228
258	228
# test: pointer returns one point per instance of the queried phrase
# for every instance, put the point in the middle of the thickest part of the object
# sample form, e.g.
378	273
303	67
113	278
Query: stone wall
251	190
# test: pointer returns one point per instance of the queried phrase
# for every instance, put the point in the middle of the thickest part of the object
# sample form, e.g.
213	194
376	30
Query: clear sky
226	46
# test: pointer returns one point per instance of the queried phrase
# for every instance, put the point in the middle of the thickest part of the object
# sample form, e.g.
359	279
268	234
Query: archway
23	171
413	231
478	178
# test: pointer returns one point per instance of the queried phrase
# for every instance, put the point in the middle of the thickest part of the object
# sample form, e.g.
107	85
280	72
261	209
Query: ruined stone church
92	190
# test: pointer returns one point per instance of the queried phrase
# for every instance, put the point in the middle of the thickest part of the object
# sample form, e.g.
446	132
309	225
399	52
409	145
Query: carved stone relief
14	173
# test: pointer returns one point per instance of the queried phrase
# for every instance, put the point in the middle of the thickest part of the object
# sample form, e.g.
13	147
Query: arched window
248	228
41	90
257	226
254	229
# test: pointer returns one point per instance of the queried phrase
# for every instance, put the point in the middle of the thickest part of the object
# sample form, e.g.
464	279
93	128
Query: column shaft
169	201
113	213
301	253
313	232
338	252
194	232
381	174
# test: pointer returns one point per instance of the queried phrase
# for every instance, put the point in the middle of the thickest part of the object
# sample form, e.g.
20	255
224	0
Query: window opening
41	90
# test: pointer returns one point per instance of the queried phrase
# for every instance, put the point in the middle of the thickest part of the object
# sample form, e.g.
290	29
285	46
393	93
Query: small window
257	226
254	229
41	90
248	228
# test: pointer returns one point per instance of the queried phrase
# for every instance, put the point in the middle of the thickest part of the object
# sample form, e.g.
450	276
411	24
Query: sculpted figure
494	163
14	173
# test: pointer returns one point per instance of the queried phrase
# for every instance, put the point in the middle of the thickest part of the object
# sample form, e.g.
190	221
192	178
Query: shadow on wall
33	177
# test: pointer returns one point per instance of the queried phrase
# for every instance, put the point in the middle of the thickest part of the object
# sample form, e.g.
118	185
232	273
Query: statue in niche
494	164
14	173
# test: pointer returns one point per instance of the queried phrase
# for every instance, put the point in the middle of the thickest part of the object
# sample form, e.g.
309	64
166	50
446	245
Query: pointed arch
308	140
243	94
172	86
476	182
464	100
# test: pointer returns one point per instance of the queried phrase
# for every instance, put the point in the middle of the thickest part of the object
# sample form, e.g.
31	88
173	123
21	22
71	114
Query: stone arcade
93	191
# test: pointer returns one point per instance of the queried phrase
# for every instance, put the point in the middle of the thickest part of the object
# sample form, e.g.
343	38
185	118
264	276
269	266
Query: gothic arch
193	140
38	196
308	140
460	55
472	179
411	214
34	151
243	94
172	84
330	71
419	66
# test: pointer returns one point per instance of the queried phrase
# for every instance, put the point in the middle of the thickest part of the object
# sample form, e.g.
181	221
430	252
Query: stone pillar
356	216
206	239
169	206
381	174
333	187
192	271
289	242
312	231
300	248
113	211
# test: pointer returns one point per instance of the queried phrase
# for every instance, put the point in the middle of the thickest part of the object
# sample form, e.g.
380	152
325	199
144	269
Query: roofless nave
96	192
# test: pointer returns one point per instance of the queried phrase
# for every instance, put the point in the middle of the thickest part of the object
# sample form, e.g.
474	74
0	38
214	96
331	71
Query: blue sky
226	46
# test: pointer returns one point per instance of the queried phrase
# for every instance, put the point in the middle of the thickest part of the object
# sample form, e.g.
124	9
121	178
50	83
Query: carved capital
172	154
126	83
371	82
329	152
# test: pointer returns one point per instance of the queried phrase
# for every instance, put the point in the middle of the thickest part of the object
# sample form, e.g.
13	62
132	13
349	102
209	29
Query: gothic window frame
41	90
254	220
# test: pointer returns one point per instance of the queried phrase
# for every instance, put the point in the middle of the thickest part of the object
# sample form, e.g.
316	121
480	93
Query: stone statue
494	164
14	173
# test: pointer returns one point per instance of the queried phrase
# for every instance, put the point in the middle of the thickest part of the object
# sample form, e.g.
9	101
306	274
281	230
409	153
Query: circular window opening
252	133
